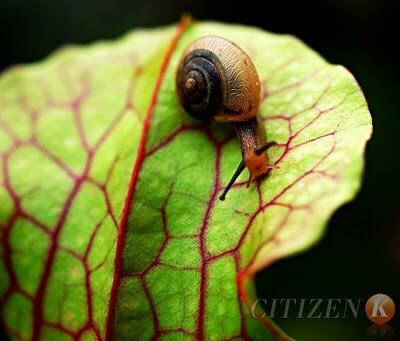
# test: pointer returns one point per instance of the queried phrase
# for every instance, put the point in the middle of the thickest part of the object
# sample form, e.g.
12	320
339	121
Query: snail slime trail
216	78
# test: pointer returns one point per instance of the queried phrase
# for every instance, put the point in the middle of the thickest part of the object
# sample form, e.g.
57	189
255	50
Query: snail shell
216	78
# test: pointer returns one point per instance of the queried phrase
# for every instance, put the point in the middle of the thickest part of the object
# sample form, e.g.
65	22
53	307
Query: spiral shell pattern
216	78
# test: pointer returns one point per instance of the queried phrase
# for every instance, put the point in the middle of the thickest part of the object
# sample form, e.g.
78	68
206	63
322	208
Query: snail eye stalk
238	171
265	147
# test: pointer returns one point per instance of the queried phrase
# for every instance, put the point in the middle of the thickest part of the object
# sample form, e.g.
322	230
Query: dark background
359	256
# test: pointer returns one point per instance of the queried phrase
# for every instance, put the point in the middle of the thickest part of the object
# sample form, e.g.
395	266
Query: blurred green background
360	254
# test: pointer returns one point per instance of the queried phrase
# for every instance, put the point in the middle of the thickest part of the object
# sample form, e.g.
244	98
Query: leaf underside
109	212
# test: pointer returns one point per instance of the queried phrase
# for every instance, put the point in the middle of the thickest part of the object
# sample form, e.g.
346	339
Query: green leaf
110	219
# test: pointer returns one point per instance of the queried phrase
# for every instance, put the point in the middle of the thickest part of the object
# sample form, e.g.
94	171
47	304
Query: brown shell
240	83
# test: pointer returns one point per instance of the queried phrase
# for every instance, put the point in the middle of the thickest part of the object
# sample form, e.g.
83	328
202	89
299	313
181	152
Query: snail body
217	79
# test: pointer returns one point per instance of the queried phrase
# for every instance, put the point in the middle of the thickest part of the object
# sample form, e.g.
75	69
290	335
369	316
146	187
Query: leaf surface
110	218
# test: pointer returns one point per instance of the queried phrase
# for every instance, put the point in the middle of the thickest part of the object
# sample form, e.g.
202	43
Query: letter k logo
380	308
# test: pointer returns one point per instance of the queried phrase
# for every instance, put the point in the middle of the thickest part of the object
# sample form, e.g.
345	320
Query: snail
217	79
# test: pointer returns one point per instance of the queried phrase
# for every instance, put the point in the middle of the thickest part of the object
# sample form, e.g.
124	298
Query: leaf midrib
141	155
